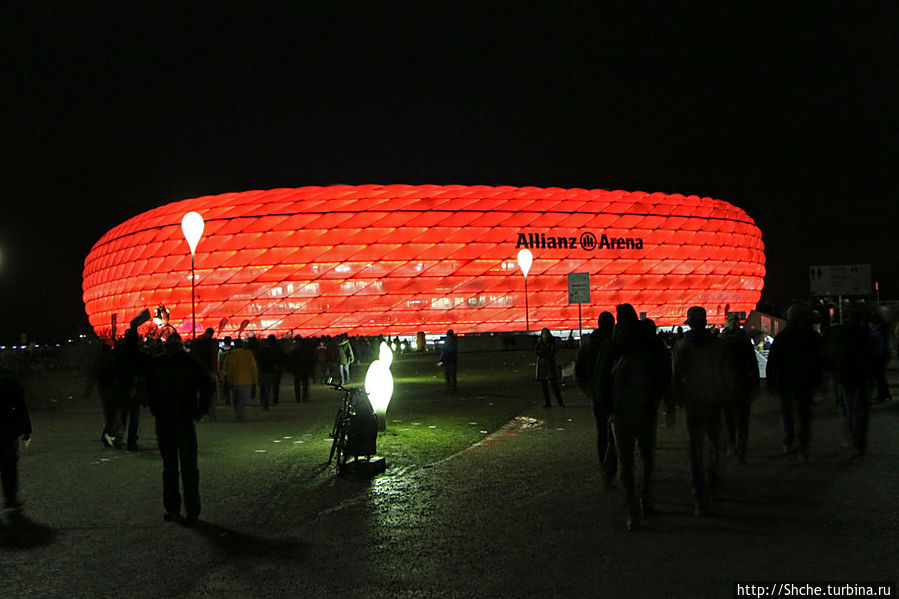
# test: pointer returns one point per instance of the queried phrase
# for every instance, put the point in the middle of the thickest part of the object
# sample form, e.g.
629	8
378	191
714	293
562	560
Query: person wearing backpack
700	378
633	373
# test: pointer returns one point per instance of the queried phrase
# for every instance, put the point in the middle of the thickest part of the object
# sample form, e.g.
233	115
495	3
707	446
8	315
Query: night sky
787	110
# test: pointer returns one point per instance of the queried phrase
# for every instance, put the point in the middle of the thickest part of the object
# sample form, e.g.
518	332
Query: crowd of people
631	374
628	370
181	388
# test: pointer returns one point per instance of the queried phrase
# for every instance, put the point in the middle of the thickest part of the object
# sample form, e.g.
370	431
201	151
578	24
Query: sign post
840	280
579	293
847	279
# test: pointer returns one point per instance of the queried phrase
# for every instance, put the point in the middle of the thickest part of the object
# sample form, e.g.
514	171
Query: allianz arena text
398	259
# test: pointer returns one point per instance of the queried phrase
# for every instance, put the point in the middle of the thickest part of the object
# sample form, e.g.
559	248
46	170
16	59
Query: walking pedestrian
102	377
794	372
179	393
547	371
744	385
129	389
322	363
278	358
345	358
266	360
15	424
224	385
881	348
241	373
449	357
634	371
853	363
587	355
700	372
301	364
588	364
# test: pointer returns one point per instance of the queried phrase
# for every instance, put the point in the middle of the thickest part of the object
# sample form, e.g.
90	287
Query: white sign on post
578	288
847	279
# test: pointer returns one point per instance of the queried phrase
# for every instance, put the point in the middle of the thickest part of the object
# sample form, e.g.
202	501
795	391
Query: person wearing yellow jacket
240	371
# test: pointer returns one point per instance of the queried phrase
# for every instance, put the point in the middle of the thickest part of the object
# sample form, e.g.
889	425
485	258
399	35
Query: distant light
525	259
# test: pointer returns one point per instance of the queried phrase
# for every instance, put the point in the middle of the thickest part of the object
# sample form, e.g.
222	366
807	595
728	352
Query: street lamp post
525	259
192	227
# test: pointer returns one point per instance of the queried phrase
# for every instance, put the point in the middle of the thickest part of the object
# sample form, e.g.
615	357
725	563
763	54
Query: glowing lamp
525	259
192	226
379	384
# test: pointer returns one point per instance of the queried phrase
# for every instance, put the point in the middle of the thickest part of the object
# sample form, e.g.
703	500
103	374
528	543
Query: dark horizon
785	112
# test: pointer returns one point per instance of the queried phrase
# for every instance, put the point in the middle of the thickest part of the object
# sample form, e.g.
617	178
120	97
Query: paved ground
521	514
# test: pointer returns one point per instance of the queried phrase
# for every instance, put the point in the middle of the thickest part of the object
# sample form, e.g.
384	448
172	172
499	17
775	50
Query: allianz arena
398	259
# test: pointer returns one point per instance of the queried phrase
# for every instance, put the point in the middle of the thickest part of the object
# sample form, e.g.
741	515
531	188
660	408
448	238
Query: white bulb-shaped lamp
192	226
379	384
525	259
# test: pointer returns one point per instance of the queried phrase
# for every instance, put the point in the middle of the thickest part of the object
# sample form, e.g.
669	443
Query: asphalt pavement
521	513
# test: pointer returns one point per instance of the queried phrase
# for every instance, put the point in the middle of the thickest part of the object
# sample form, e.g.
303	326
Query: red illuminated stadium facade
397	259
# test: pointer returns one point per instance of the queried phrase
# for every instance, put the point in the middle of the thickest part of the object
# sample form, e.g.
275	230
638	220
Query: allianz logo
586	240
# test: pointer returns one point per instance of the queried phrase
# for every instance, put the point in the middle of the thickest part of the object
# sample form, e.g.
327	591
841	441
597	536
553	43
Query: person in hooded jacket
700	381
179	390
633	374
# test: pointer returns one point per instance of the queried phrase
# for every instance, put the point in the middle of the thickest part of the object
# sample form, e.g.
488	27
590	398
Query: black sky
787	110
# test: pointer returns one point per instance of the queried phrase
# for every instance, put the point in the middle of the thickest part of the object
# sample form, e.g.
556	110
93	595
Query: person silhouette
180	390
15	423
